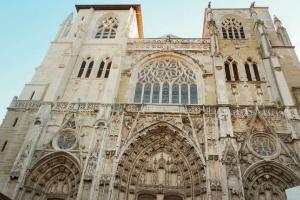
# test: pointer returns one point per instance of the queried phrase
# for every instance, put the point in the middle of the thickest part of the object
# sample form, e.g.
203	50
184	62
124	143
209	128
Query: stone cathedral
111	115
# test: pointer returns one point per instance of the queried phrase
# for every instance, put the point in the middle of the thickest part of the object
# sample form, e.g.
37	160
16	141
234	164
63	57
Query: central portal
161	165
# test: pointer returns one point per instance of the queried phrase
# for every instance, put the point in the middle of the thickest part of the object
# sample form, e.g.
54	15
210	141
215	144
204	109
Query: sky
29	26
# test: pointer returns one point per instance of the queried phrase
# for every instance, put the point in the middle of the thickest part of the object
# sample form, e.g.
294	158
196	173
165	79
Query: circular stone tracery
65	140
262	145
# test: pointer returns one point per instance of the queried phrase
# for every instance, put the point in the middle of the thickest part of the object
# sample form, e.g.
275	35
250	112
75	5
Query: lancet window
104	68
231	70
251	69
107	28
166	81
88	63
232	29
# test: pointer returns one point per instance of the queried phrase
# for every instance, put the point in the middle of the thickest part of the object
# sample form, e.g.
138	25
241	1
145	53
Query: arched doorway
54	177
268	181
161	161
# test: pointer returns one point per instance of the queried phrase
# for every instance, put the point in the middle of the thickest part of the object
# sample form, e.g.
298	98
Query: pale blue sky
28	27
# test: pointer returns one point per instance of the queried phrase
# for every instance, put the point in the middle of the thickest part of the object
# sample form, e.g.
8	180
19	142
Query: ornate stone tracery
167	69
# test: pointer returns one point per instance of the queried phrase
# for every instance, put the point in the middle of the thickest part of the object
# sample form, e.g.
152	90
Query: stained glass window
165	93
155	94
138	93
175	93
193	94
147	92
184	94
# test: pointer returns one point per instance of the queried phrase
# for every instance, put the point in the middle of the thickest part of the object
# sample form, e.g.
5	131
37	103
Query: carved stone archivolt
160	159
268	180
56	175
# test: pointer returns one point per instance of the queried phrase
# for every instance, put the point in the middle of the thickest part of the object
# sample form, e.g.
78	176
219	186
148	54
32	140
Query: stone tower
112	115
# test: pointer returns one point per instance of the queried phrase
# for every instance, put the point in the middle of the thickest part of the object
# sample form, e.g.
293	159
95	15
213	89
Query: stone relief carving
15	172
169	44
92	161
170	70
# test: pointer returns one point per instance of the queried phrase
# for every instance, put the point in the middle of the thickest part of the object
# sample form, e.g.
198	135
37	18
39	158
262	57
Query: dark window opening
107	70
32	95
224	33
227	71
248	73
235	71
4	145
236	33
242	32
15	122
81	69
256	73
230	33
89	70
100	69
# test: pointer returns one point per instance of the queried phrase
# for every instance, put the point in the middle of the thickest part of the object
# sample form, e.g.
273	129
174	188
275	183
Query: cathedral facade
111	115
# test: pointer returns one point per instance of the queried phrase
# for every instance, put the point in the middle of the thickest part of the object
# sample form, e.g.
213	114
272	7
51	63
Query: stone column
25	155
98	171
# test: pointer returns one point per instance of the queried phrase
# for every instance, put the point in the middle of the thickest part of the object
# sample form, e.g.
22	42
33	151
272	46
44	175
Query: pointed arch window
175	93
104	68
155	94
184	94
231	70
193	94
232	28
108	28
248	73
107	70
100	69
166	81
87	62
138	93
251	69
81	70
89	70
165	93
147	92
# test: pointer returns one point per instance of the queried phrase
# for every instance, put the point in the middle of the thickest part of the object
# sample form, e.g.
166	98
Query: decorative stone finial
209	4
252	4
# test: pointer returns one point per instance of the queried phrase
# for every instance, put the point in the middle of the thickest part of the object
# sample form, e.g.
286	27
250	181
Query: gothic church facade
112	115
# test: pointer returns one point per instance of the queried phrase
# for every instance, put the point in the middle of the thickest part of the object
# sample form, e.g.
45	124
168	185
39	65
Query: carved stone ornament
264	145
65	140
